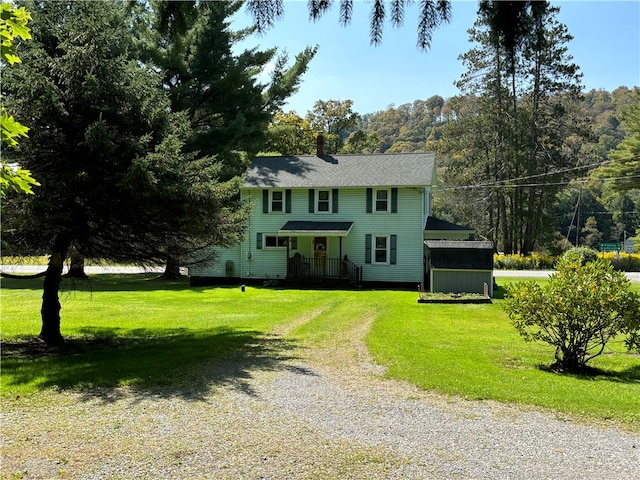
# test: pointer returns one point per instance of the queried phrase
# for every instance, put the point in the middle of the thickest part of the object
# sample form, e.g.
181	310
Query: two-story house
354	217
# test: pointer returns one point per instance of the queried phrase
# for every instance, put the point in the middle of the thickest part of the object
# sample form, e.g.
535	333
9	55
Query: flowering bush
540	261
517	261
579	310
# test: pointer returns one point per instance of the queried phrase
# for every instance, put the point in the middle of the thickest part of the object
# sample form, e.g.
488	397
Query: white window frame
281	201
277	242
375	249
328	201
375	200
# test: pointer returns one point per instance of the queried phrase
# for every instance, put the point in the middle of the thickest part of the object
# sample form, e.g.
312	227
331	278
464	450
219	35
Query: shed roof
458	244
434	223
370	170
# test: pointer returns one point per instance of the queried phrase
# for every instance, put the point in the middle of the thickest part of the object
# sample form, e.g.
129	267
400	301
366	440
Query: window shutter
293	243
393	249
259	241
287	201
367	248
265	201
369	200
335	200
312	200
394	200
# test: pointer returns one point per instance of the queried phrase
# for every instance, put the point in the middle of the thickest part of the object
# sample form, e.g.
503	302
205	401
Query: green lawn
166	336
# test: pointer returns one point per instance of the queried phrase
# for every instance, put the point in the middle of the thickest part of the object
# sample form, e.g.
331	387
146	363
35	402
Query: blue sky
606	46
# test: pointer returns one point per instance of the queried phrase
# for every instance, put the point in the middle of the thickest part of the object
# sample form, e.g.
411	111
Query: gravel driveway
319	414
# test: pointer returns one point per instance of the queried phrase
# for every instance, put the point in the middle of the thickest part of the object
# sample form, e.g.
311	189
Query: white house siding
406	224
216	268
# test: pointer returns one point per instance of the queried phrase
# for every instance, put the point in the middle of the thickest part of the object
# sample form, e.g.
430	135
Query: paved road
633	276
30	269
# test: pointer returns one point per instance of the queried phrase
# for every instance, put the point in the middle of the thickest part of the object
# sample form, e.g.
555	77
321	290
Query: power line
507	183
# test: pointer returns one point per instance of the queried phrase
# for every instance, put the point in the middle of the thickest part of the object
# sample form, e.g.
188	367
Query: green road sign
610	247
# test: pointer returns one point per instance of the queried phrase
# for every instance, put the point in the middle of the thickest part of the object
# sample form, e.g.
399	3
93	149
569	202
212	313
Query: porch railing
353	272
303	268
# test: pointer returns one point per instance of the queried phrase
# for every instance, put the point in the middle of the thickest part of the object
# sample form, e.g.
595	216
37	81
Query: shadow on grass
177	363
629	375
105	282
499	292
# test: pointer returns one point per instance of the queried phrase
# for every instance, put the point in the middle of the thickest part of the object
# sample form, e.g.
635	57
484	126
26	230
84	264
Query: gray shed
455	266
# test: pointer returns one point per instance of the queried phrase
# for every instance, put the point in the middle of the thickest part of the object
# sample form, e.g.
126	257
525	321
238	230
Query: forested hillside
585	209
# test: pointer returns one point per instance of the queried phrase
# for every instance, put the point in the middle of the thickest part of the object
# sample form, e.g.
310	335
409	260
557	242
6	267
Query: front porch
301	268
323	241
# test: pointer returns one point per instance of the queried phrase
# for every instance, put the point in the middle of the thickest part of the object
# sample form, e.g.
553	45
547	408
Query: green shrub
581	254
579	310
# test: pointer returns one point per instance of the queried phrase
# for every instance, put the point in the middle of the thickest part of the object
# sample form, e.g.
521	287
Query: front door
320	246
320	256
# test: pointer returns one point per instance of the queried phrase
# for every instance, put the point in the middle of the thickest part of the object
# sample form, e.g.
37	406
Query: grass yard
167	336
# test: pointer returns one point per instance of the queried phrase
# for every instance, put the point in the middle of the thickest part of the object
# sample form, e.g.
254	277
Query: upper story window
323	201
276	202
382	200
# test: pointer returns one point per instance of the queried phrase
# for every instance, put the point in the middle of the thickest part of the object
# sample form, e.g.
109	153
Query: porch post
340	260
287	259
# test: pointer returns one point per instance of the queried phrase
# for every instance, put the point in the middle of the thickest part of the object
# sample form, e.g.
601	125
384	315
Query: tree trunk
76	269
50	311
172	267
502	213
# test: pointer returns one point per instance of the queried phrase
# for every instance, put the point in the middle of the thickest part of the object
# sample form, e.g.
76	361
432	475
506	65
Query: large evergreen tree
94	114
513	136
226	109
139	140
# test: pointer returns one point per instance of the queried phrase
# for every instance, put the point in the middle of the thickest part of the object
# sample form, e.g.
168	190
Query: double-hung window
276	203
323	201
382	200
381	249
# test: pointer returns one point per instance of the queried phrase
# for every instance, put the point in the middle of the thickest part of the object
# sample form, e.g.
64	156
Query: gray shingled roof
459	244
371	170
434	223
301	226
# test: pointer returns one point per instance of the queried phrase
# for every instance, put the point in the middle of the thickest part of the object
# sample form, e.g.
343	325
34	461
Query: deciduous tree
624	169
290	134
13	25
335	119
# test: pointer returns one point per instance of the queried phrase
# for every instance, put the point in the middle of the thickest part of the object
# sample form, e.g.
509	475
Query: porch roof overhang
314	229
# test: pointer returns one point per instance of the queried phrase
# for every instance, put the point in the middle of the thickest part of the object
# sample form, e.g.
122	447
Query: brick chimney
320	145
